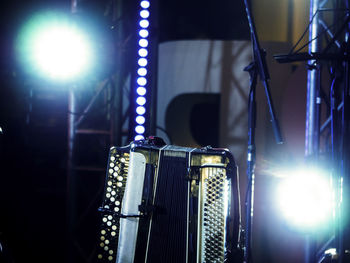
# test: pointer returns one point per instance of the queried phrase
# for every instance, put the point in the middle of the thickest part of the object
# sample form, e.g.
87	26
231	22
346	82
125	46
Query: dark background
33	145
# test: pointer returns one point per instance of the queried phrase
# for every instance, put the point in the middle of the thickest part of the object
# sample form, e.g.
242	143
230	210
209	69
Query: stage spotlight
142	72
141	91
141	101
140	110
139	137
143	42
144	14
145	4
140	120
51	45
140	129
143	33
141	81
143	52
142	62
144	23
306	199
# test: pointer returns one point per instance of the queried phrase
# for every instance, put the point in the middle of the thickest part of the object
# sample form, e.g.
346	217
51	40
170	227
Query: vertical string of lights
139	121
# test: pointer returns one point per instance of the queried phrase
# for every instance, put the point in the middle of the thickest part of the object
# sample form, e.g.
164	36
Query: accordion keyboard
117	172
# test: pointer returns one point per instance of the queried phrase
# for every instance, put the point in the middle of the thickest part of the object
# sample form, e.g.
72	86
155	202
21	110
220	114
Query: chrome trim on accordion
167	203
130	206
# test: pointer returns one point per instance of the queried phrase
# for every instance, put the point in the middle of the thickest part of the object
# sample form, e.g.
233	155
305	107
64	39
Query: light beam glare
306	199
52	46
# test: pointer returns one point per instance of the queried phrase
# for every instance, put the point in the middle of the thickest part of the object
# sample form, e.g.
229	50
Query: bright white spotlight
141	91
141	101
140	129
306	199
142	62
139	137
140	110
144	14
143	43
143	52
142	81
143	33
55	48
142	72
140	120
144	23
145	4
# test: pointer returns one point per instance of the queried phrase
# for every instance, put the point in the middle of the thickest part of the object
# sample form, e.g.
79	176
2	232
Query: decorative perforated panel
213	211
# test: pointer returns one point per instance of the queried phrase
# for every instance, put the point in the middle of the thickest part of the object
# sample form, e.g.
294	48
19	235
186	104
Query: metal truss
91	132
327	114
97	115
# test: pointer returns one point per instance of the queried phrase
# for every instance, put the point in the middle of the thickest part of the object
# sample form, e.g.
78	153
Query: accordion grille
117	172
214	203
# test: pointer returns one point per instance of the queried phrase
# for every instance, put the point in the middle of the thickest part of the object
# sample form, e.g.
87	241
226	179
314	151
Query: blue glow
141	91
142	72
141	101
144	14
140	120
140	110
143	43
140	129
141	81
143	33
142	62
145	4
139	137
143	52
144	23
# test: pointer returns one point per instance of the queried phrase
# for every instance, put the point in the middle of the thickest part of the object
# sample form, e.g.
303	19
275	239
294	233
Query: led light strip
142	62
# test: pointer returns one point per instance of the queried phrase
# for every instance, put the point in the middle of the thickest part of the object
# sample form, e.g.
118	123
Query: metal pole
70	199
345	167
311	133
71	214
251	158
74	6
119	80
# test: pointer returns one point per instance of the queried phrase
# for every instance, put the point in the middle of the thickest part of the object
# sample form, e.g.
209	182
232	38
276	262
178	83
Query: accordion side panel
117	171
167	240
129	223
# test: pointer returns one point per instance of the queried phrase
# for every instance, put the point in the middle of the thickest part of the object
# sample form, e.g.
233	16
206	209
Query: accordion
165	203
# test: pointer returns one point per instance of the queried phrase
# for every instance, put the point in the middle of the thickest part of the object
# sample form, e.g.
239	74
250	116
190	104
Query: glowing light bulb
141	91
140	129
140	110
142	72
145	4
141	101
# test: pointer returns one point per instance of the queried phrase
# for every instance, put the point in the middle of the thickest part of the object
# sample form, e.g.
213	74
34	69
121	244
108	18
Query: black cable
302	36
318	36
307	28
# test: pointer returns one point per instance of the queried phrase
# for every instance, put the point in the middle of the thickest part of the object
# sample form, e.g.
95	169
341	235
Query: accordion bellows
164	203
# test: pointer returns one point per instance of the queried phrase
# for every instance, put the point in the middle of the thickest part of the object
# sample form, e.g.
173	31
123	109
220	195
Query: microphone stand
257	68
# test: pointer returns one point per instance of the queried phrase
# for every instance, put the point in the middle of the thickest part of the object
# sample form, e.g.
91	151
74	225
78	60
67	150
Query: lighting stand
257	67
